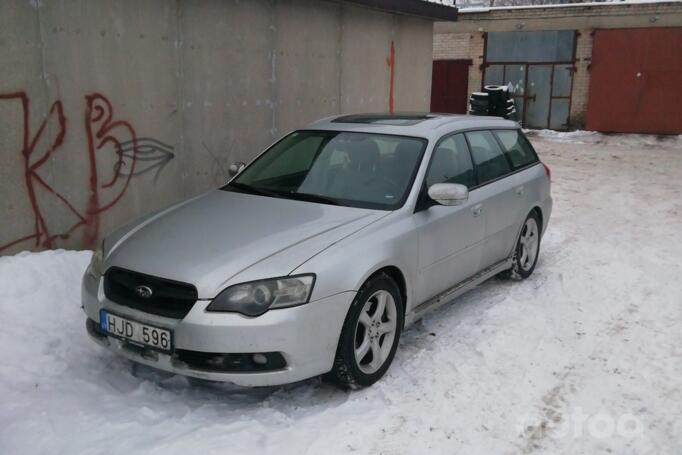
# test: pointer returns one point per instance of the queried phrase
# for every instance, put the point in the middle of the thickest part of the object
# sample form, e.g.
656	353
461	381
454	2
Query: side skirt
460	288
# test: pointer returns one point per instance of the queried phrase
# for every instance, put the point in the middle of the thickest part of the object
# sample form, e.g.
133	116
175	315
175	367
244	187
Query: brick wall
464	38
470	46
462	46
581	79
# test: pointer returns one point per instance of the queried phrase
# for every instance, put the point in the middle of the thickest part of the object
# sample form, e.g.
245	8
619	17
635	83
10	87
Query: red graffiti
101	130
391	65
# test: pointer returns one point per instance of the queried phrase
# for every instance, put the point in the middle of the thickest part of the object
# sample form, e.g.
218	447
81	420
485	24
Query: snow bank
584	357
593	137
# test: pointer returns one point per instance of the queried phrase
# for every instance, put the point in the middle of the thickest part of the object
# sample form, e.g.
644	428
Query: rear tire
370	334
527	249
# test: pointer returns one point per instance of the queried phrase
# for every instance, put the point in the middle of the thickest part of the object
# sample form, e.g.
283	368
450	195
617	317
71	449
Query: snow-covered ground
584	357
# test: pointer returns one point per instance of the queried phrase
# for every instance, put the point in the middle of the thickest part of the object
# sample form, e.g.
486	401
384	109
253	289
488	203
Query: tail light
548	172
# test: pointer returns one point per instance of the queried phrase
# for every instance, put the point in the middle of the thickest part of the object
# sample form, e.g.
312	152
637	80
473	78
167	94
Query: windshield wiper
253	190
288	195
313	198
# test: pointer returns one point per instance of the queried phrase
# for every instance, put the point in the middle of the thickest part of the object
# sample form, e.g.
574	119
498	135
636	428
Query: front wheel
527	249
370	334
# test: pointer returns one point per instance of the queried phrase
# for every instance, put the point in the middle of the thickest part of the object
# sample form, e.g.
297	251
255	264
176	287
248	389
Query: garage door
635	81
449	86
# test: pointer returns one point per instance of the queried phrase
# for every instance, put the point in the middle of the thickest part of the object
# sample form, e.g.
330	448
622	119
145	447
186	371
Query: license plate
136	332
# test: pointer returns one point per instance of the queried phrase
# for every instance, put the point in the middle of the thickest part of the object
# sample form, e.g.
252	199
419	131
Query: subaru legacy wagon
315	257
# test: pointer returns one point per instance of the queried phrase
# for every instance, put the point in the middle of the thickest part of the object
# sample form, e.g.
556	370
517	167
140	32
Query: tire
481	96
479	109
350	373
479	103
523	262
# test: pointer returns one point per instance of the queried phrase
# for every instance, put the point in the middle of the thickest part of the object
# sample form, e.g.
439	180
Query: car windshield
333	167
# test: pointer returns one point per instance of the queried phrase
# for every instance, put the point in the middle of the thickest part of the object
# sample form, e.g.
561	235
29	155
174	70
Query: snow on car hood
223	237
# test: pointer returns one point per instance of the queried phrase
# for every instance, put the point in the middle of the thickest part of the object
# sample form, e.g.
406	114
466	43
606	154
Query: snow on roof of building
477	9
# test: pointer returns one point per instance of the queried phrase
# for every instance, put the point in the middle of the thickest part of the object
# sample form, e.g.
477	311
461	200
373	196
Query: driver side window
451	163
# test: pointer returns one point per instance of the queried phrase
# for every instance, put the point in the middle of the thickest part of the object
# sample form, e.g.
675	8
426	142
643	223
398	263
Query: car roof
418	124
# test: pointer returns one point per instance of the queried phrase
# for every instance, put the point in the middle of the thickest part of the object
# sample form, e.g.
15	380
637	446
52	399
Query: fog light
259	359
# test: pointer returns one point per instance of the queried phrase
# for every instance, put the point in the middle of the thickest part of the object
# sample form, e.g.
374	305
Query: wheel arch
537	209
396	274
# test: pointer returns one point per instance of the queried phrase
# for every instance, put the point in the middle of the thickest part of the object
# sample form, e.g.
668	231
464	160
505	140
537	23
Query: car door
522	157
496	192
450	237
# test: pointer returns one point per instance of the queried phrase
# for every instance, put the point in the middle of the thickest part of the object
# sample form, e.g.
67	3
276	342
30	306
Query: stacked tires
495	100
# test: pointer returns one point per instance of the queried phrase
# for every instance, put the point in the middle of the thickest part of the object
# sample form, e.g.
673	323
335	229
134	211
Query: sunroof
383	119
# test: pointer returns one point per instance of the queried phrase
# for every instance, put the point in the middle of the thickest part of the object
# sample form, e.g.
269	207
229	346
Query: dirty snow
585	356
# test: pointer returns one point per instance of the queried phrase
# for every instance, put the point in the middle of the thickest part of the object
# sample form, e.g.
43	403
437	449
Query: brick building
608	66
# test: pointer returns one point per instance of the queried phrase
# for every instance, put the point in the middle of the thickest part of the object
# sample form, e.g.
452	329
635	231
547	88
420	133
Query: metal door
635	79
449	85
538	94
542	91
539	66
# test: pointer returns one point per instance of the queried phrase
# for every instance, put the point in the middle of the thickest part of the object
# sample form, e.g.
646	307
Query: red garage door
449	86
636	81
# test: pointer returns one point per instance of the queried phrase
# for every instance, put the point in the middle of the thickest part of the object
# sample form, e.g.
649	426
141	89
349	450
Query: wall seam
46	87
340	55
180	90
274	97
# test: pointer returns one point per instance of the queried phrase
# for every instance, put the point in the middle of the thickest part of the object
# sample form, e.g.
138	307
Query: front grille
169	298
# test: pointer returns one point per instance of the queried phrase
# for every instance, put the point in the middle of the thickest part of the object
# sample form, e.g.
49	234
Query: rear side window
517	147
488	156
451	163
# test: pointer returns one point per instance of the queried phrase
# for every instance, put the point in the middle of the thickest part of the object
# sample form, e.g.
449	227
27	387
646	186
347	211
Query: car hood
224	237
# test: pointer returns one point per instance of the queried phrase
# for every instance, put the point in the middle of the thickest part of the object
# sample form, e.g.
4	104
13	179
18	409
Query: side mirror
449	193
235	168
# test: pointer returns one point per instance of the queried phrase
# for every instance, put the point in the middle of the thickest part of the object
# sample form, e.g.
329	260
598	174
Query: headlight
257	297
96	263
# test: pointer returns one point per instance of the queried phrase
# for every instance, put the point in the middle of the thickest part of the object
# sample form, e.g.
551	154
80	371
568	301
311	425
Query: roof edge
564	6
419	8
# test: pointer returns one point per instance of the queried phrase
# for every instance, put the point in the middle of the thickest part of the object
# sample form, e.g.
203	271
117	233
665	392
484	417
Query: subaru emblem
144	291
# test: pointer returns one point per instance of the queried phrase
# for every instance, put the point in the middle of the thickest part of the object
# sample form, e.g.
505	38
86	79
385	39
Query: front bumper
306	336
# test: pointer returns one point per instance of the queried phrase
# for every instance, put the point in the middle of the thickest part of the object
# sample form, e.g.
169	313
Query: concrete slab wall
112	109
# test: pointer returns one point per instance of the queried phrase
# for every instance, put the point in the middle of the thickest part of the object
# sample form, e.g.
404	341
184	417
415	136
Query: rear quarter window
518	148
490	161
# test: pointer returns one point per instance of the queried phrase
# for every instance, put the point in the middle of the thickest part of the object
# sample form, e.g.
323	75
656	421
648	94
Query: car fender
346	265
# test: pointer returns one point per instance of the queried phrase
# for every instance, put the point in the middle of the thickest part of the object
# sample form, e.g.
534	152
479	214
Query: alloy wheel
529	244
375	331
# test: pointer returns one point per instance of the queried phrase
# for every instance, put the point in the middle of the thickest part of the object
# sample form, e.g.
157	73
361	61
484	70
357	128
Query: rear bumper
306	336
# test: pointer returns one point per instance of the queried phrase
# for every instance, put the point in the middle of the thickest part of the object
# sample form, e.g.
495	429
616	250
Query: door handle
477	209
520	191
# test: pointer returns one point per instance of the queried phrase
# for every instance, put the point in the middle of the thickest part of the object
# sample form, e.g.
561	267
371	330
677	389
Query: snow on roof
464	10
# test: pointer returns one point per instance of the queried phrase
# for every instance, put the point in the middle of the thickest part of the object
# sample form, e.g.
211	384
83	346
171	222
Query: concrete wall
110	109
464	39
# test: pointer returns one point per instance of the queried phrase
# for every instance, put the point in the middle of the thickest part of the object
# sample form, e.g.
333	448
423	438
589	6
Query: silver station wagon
316	255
